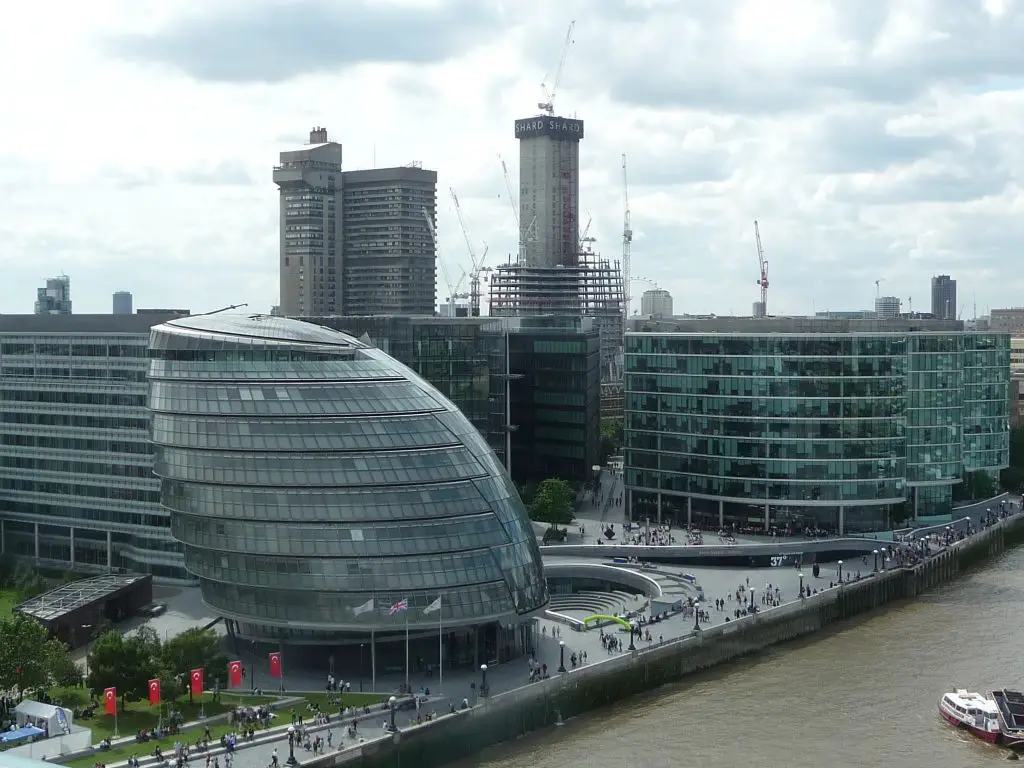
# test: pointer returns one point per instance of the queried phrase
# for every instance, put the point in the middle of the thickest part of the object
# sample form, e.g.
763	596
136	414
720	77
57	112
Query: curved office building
316	483
794	423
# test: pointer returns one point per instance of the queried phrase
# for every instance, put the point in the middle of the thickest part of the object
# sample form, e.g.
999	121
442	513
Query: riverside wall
510	715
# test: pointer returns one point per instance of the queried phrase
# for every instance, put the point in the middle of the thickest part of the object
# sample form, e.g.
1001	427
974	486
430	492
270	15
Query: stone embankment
509	715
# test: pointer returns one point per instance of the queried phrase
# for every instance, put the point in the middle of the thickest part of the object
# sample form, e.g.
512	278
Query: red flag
110	701
196	678
234	674
275	665
154	692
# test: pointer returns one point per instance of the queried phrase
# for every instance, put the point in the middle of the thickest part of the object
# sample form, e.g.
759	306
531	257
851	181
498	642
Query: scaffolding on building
592	287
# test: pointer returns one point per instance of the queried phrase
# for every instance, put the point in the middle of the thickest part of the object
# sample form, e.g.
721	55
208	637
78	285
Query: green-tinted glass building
840	424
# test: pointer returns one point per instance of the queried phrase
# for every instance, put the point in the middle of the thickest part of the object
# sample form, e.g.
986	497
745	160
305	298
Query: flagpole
440	643
407	689
117	733
373	660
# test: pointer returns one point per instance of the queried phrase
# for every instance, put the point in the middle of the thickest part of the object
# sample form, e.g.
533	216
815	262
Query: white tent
54	720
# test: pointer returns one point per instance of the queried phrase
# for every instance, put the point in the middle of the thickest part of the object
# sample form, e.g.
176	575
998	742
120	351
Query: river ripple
862	694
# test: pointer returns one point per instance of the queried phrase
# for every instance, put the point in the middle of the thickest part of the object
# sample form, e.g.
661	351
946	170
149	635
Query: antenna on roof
222	309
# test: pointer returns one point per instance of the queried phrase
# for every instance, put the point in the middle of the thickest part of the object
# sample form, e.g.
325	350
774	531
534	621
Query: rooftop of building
263	328
797	325
84	324
70	597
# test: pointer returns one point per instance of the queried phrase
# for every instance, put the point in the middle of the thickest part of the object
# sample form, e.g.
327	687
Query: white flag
364	608
434	606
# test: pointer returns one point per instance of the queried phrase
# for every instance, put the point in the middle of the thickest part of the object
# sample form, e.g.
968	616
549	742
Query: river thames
862	694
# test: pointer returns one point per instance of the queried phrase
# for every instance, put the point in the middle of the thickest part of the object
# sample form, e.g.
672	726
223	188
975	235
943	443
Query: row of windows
778	345
778	388
438	570
770	367
349	540
296	469
99	517
61	419
830	471
100	490
385	433
252	355
37	393
772	429
303	370
759	448
64	443
76	350
685	405
748	491
21	459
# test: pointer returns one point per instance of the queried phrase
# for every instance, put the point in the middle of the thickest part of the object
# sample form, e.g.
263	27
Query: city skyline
856	174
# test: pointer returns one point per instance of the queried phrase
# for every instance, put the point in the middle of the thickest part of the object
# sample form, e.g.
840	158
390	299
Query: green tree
1012	478
553	502
29	657
127	664
192	649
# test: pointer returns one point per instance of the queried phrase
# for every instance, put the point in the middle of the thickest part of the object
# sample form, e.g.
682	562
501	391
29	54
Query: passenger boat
972	712
1010	708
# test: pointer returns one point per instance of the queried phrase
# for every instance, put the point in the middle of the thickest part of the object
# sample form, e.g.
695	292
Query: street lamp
291	746
884	555
361	667
483	680
391	703
561	655
801	575
696	616
840	571
632	631
875	553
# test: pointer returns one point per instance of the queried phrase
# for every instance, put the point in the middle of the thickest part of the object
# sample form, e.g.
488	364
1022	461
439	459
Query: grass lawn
327	701
121	753
8	599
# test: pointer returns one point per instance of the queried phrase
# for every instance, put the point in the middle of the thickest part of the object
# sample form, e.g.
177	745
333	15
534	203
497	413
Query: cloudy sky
872	139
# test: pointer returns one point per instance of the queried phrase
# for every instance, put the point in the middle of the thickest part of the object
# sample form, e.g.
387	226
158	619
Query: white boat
972	712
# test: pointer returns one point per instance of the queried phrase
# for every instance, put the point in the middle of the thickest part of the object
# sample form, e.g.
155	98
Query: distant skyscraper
944	297
55	298
354	242
656	302
122	303
549	190
887	307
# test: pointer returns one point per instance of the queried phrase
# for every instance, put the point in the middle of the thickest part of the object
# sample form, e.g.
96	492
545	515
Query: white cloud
871	140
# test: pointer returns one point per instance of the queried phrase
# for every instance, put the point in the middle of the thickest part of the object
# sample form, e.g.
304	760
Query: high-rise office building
549	190
354	242
122	303
943	297
887	307
55	297
656	302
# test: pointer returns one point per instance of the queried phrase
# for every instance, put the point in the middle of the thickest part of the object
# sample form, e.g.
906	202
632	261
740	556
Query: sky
873	140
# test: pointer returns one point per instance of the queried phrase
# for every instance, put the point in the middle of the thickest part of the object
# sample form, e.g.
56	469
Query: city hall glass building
316	482
847	425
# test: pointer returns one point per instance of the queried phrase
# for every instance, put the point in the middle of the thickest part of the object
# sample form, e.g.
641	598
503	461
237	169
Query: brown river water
861	694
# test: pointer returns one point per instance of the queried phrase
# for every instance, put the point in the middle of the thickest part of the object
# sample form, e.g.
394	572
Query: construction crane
878	290
477	265
453	293
763	263
627	240
548	105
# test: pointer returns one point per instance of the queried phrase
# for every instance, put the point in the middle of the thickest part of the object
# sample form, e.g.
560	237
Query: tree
553	502
127	664
29	657
1012	478
195	648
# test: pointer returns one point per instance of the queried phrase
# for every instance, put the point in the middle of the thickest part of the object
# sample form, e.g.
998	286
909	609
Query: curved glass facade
311	476
831	430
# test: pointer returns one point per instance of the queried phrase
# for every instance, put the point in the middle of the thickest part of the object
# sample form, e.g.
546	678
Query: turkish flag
110	701
234	674
154	692
275	665
196	681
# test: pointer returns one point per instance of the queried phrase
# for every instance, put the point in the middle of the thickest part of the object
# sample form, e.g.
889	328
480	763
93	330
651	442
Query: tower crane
627	240
453	293
763	263
878	290
548	105
477	265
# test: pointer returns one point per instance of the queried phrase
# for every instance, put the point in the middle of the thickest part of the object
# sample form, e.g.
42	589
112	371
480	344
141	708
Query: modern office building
656	302
77	490
887	307
846	425
1017	401
328	495
549	190
944	298
354	242
122	304
1010	320
55	297
554	397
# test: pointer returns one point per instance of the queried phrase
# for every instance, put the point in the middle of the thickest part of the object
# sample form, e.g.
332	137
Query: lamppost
875	553
801	575
291	746
948	536
391	703
884	555
696	616
561	655
483	680
632	631
840	571
361	667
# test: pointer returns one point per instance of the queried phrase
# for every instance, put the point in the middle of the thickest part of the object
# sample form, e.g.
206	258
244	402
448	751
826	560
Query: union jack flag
401	605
